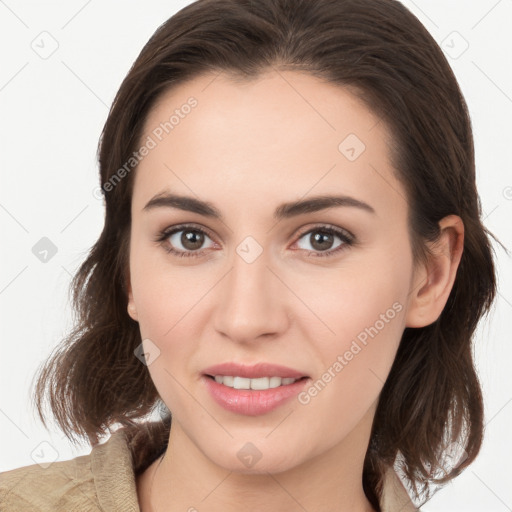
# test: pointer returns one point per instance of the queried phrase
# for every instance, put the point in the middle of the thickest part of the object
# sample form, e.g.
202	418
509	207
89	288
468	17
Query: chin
248	459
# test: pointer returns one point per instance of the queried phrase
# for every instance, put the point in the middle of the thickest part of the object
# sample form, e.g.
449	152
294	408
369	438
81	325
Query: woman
287	269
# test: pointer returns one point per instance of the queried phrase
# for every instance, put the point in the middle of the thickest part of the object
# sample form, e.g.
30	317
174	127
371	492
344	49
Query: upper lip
253	371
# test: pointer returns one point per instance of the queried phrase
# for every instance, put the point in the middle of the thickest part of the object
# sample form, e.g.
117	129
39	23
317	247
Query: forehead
284	131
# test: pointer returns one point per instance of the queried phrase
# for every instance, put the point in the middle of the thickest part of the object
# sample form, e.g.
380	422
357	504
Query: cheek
167	301
163	293
167	306
368	291
362	320
355	364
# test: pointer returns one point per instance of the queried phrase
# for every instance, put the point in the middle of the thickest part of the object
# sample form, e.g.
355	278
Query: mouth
254	389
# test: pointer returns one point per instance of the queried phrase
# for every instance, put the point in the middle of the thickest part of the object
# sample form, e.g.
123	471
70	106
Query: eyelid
326	226
188	225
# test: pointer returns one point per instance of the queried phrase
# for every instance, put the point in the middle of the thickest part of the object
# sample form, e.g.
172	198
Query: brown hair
381	52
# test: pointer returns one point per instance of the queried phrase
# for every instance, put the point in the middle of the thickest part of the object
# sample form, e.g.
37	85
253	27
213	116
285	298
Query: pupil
192	239
321	237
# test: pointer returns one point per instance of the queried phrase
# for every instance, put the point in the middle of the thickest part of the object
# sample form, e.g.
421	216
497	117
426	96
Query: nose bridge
250	303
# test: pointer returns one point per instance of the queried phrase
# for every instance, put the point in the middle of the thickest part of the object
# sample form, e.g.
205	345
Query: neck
185	479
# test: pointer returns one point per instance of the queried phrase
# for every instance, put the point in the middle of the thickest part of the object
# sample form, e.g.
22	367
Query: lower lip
252	402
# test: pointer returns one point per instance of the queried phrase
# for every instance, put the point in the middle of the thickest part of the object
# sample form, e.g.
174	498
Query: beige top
104	480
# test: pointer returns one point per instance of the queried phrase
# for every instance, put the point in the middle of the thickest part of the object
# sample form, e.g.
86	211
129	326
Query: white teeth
274	382
259	383
229	381
241	383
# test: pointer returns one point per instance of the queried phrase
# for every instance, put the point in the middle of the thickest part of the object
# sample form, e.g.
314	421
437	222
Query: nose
252	302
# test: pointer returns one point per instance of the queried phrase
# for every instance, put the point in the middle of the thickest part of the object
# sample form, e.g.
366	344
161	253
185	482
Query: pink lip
254	371
251	402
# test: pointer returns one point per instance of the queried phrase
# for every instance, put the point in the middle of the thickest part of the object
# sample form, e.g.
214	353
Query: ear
132	310
434	280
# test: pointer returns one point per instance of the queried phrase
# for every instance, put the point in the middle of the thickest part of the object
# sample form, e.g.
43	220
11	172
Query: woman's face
262	281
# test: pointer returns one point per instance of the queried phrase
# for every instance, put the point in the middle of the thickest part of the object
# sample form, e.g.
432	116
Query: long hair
379	51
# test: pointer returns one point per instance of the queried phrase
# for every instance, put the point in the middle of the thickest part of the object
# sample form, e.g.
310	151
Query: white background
52	113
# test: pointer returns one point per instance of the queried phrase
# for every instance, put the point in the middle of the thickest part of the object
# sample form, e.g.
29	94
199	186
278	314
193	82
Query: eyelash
347	238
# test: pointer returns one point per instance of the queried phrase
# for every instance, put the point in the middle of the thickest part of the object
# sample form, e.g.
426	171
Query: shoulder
64	485
101	480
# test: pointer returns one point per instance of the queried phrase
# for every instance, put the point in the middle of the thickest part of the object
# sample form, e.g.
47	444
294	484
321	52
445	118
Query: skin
247	148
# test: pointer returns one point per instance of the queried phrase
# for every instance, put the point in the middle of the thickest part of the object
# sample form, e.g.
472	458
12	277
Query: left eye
321	240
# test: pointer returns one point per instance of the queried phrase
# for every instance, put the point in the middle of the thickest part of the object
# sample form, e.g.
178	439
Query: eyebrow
286	210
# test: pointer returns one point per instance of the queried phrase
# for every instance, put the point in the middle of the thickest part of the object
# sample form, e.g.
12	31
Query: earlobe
434	281
132	310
